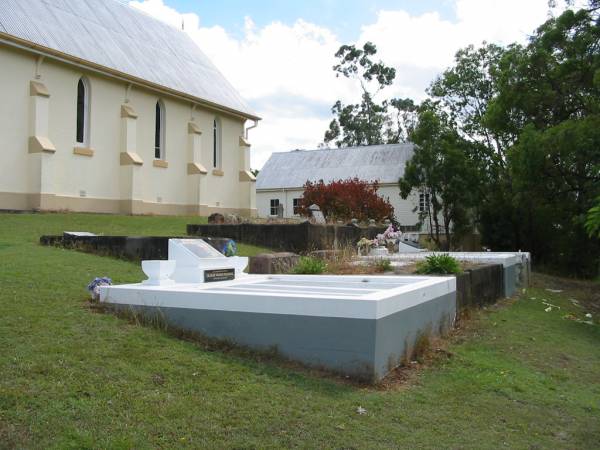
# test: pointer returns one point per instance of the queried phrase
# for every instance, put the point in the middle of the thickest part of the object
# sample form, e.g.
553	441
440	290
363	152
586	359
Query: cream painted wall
403	209
15	72
97	178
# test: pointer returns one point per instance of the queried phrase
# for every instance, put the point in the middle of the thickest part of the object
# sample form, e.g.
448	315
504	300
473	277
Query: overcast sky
279	54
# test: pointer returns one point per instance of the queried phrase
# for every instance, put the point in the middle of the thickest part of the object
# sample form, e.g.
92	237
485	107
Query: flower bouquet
94	287
365	245
389	238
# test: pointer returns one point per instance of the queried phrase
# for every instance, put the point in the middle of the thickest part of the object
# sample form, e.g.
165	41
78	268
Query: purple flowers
389	235
94	287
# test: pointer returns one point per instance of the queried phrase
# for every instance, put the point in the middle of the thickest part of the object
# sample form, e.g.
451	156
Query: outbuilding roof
123	40
382	163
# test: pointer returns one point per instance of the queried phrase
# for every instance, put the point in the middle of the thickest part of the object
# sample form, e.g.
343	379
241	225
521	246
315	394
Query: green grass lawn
519	377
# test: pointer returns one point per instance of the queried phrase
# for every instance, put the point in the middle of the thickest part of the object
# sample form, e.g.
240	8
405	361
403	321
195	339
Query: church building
106	109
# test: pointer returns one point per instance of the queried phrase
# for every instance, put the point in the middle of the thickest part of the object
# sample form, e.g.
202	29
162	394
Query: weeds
310	266
383	265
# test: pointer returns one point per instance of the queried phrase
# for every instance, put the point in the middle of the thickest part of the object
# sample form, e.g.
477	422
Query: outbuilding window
83	111
159	131
274	206
424	202
297	204
216	143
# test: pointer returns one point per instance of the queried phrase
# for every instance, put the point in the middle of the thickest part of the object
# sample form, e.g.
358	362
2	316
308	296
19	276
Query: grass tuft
442	264
308	265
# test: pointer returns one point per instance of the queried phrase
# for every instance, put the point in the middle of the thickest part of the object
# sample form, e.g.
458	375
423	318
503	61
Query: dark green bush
309	266
442	264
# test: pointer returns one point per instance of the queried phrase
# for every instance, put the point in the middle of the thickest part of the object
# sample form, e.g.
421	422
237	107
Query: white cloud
285	70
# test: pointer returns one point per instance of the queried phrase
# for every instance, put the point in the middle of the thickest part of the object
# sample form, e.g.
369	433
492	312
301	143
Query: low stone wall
300	238
272	263
124	247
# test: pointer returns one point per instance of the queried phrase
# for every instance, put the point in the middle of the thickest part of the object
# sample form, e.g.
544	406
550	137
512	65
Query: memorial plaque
214	275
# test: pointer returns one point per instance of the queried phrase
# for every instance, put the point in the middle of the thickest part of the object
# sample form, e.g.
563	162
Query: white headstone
78	233
316	215
199	262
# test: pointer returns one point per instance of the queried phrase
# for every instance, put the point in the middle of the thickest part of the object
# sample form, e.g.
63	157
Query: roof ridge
136	36
356	147
290	170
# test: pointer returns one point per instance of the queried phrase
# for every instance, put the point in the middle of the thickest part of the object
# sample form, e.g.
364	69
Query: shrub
442	264
309	266
346	199
383	265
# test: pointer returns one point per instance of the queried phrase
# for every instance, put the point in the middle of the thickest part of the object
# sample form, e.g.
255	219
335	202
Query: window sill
83	151
161	163
218	172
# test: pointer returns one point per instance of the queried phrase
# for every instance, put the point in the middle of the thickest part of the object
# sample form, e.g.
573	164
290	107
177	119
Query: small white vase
379	251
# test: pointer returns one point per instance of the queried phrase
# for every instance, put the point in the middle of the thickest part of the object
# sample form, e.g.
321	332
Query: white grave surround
361	326
516	265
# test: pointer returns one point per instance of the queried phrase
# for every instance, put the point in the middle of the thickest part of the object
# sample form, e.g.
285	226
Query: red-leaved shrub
346	199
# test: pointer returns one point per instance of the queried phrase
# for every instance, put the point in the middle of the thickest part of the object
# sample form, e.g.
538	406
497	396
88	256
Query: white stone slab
504	258
78	233
348	296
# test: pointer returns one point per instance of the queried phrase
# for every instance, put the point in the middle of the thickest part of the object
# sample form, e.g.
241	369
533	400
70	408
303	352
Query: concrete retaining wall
273	263
300	238
480	286
124	247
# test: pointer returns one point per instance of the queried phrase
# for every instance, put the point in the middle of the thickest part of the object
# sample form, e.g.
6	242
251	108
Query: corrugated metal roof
384	163
121	38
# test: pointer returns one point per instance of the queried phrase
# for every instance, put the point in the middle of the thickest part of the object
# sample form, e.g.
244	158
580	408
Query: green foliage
508	141
368	122
309	266
441	264
592	223
383	265
465	91
549	99
442	169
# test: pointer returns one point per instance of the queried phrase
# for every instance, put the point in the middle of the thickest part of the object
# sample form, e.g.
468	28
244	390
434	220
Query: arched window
216	143
83	111
159	131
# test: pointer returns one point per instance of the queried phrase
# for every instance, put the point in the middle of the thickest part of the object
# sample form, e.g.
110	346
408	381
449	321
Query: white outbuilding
107	109
281	180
